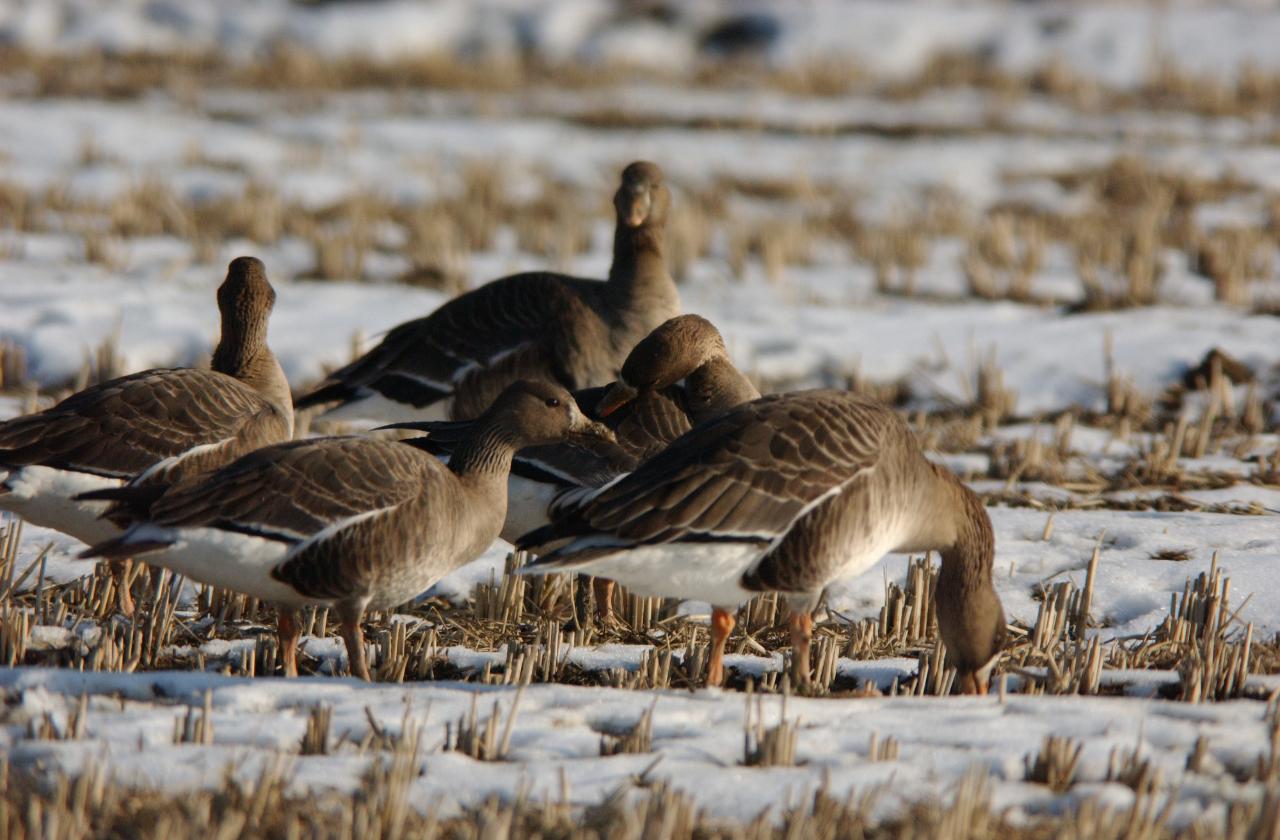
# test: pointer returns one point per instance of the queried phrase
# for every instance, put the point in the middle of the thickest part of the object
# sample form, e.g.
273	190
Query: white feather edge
694	570
368	404
233	559
174	460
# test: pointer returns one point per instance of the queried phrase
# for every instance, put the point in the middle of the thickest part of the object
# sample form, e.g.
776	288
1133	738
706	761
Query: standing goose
786	494
152	427
678	376
536	325
354	523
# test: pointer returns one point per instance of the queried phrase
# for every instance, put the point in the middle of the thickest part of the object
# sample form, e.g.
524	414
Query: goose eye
552	402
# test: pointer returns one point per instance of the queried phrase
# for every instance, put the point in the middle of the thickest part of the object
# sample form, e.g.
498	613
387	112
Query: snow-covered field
837	233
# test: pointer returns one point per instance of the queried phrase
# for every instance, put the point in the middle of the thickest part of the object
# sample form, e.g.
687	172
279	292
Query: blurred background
980	171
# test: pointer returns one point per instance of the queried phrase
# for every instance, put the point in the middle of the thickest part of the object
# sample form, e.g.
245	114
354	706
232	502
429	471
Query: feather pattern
152	428
785	494
747	475
536	325
128	425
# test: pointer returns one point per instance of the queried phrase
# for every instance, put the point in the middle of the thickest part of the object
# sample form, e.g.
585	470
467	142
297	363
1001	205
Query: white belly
377	408
45	496
527	503
710	571
227	559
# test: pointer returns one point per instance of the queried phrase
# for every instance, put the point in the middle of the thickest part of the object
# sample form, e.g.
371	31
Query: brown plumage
154	427
788	493
678	375
349	522
537	325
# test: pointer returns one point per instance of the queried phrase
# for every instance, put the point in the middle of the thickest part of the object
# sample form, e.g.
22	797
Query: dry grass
1056	764
93	805
1200	640
637	739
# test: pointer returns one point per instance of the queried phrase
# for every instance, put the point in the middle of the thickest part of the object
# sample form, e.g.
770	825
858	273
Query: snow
697	740
822	320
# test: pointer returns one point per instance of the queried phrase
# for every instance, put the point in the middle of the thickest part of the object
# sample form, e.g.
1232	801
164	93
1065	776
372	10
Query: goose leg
801	625
603	591
973	683
289	628
120	574
350	616
722	622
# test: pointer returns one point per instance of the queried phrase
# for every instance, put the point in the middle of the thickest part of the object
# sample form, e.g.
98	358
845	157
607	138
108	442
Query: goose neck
486	453
639	272
967	559
716	386
242	353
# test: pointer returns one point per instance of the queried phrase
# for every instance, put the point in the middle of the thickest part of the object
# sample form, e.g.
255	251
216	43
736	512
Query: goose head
642	199
675	349
536	413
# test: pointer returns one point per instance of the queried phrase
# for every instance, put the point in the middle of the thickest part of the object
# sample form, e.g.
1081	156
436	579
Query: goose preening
153	427
353	523
677	376
536	325
788	493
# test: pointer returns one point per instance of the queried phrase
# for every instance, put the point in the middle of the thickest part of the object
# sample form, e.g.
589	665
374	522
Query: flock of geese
589	422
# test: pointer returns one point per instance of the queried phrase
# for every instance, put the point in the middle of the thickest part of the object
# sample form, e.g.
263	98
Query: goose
152	427
788	493
677	376
352	523
537	325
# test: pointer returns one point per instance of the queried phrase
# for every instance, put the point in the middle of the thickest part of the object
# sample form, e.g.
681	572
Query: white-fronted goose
786	494
536	325
677	376
354	523
151	427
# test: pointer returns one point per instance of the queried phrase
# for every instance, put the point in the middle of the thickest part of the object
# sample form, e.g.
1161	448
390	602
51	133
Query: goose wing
745	476
122	427
422	361
301	490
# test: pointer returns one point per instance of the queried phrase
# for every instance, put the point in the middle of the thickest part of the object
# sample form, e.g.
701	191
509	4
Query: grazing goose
152	427
677	376
536	325
354	523
788	493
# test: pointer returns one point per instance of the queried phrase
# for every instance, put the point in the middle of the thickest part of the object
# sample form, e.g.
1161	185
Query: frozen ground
697	741
819	319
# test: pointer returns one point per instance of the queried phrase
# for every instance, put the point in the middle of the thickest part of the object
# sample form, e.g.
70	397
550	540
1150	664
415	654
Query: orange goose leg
120	574
722	623
289	628
973	684
354	637
801	626
603	591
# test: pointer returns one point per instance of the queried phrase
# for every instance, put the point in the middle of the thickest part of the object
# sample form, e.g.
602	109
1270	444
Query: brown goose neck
717	386
639	265
242	353
242	342
967	560
486	452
